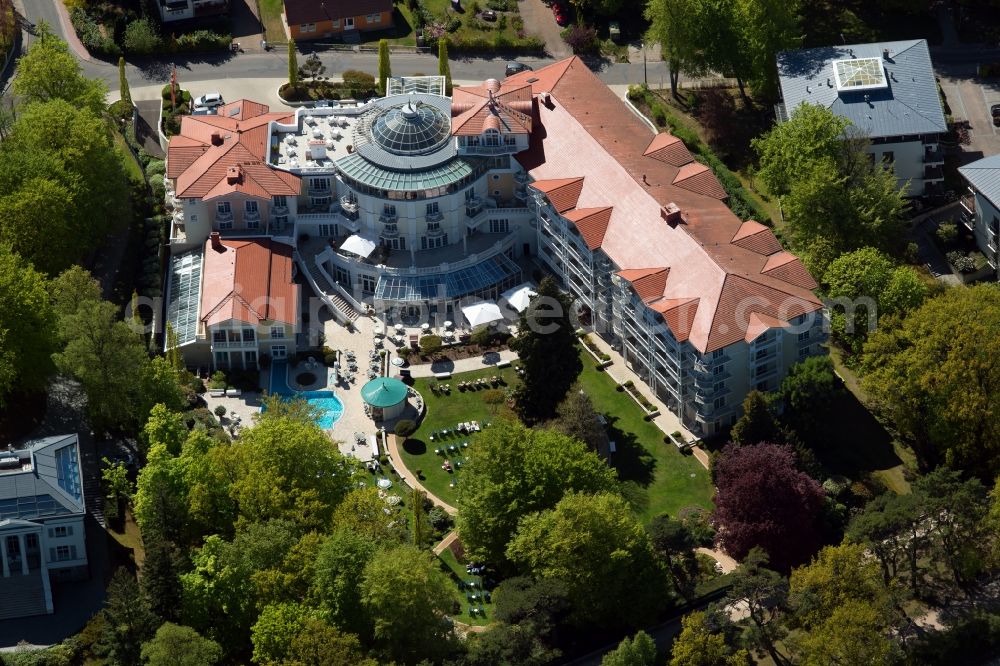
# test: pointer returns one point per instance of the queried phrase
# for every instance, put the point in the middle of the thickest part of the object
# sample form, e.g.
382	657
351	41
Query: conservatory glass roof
356	167
185	294
490	273
411	129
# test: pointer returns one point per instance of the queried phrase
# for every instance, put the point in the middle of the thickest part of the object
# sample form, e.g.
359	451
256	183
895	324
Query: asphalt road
274	64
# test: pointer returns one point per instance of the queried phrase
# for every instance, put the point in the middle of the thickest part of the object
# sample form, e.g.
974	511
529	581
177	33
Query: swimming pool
326	403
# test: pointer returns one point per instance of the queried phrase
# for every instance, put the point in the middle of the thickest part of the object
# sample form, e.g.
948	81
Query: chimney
545	98
885	54
233	175
216	138
216	242
671	213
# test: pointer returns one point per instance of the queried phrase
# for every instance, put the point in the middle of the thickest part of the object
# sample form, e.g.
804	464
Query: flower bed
648	407
603	359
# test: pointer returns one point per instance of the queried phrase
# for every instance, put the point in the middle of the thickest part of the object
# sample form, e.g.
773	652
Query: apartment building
42	536
336	19
980	205
889	93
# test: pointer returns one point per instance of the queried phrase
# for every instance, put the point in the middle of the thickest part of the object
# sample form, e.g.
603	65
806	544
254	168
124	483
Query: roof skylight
859	74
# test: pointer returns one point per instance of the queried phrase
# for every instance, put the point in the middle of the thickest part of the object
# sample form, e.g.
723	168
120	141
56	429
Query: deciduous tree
548	351
757	423
175	645
319	644
577	418
27	323
595	544
699	645
514	471
407	597
337	580
673	23
937	380
639	650
274	630
675	545
49	71
763	500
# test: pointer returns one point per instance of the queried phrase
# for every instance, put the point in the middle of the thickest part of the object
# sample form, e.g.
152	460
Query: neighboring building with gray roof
887	90
42	535
981	205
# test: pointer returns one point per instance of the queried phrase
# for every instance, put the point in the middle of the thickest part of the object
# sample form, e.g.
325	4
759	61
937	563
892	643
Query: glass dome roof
411	129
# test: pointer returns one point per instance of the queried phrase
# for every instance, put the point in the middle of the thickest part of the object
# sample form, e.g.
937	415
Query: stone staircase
21	596
331	293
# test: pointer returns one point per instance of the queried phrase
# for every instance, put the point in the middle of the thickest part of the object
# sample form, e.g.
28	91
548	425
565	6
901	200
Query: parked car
562	16
488	15
996	120
208	101
995	110
515	67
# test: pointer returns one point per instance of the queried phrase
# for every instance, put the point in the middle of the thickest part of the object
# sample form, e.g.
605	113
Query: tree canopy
27	326
639	650
763	500
596	545
938	382
407	596
699	645
514	471
871	286
49	71
175	645
834	198
546	345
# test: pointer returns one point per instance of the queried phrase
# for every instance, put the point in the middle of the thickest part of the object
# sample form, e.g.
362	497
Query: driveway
538	20
970	98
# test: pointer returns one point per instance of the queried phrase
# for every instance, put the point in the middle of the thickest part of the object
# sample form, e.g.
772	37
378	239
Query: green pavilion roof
356	167
384	392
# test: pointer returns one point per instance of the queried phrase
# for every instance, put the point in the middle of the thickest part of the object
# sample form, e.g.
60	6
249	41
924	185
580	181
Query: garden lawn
446	411
270	18
132	167
450	565
662	479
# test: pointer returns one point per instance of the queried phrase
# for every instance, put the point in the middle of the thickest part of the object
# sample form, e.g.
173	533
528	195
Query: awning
482	313
520	296
360	245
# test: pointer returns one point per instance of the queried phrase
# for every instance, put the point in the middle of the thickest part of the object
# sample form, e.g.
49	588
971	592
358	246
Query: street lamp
645	80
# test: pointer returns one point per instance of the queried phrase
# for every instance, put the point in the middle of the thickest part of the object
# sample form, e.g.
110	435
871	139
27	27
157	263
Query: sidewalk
461	365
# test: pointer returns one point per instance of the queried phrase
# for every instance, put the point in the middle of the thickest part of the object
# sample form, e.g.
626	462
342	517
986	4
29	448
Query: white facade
982	217
181	10
42	532
917	160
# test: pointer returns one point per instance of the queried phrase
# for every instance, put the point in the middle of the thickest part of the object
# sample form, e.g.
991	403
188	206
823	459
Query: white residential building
980	205
889	93
42	537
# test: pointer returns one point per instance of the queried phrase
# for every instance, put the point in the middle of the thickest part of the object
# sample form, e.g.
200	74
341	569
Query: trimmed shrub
581	39
141	37
220	410
405	428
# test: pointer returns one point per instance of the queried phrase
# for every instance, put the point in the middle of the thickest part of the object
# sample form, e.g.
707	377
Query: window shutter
52	554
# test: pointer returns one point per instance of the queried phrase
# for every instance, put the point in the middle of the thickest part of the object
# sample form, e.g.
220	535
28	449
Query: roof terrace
317	138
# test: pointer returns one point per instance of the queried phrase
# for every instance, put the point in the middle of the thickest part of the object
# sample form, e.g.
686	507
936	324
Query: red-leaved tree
763	500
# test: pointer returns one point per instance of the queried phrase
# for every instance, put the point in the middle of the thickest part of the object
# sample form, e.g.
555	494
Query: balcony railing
934	156
250	217
436	216
224	217
435	230
349	205
389	231
387	218
232	344
488	150
968	202
279	210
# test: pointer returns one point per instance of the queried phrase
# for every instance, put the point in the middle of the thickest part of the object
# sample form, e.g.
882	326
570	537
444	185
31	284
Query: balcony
521	177
234	344
251	218
935	156
349	205
279	211
436	216
389	231
435	230
387	218
933	173
224	217
488	150
968	202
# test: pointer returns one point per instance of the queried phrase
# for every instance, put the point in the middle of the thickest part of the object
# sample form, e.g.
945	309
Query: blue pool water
328	405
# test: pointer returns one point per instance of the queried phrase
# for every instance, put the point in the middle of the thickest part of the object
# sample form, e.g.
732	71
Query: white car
208	101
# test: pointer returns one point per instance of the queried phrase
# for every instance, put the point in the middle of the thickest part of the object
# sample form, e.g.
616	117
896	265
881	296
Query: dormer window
491	137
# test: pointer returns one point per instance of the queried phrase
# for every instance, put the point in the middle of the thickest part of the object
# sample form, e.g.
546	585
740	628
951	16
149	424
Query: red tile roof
592	223
648	283
199	158
585	130
757	238
248	281
667	148
298	12
697	177
563	193
786	266
761	322
503	107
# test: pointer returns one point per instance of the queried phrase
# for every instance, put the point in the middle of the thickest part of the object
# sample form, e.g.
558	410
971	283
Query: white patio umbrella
481	313
359	244
520	296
